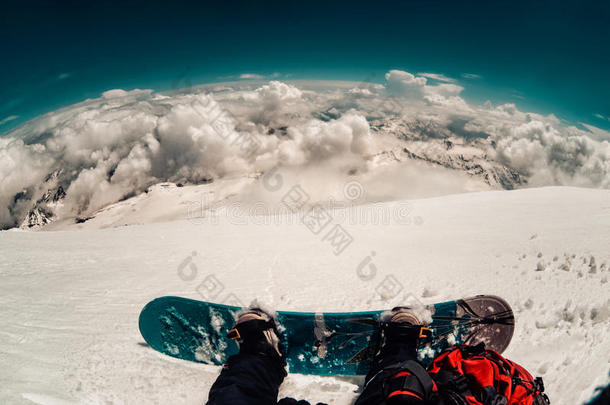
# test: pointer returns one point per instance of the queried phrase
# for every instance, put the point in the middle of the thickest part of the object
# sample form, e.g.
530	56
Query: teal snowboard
339	343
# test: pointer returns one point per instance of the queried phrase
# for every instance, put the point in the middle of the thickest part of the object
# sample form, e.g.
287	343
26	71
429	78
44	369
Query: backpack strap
411	379
475	350
446	380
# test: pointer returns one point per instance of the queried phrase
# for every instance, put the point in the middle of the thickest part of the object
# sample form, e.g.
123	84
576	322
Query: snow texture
70	299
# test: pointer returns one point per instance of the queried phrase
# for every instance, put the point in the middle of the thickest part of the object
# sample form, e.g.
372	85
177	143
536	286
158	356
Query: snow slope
70	299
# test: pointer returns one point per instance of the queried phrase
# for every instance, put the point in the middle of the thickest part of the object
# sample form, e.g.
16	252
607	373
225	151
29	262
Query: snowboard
324	343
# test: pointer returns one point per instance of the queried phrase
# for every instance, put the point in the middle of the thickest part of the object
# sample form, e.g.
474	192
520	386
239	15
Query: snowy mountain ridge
110	149
453	155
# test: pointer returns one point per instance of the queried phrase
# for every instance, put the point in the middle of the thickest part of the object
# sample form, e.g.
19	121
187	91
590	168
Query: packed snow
70	298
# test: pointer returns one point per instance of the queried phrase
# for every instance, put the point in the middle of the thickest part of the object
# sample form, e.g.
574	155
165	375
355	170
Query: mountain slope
70	300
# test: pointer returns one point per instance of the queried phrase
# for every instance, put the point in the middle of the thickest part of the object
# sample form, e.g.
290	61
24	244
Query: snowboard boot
394	368
256	333
401	329
254	375
400	332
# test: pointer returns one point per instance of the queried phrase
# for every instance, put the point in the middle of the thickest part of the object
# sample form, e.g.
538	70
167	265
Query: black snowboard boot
256	333
400	332
396	377
253	376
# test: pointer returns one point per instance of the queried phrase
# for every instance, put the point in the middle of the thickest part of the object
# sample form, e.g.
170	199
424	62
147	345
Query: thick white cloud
550	157
106	149
23	169
405	84
275	93
319	140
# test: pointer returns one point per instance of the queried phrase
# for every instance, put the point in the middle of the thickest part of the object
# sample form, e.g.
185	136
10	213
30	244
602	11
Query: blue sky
548	57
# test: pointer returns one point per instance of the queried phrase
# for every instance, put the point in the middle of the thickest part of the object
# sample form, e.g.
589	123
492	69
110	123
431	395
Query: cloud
63	76
539	147
276	92
551	157
360	92
470	76
601	117
318	140
119	93
7	119
438	77
251	76
107	149
517	94
597	133
405	84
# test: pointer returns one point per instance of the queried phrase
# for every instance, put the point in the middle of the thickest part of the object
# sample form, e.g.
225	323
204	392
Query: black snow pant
249	379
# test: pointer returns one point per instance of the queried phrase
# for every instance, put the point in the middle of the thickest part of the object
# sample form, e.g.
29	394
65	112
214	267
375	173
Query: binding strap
249	329
406	332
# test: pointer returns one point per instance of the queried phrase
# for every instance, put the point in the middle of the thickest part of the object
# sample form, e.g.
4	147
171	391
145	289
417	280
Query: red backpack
472	375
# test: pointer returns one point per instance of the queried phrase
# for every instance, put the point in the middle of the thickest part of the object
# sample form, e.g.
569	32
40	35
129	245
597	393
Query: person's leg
253	376
248	379
396	377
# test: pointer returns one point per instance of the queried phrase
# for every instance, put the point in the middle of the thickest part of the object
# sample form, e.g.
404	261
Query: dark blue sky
550	56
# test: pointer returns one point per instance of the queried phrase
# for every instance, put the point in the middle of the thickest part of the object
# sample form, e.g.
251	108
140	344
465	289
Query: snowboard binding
401	325
400	330
255	332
